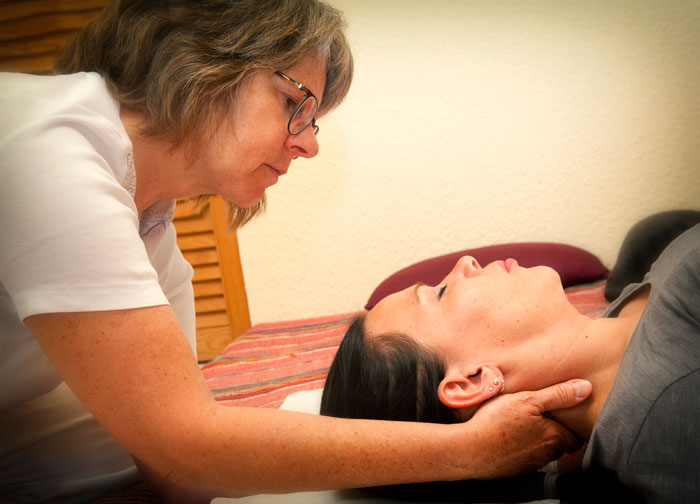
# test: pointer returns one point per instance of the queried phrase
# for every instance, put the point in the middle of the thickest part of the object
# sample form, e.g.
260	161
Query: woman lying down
435	354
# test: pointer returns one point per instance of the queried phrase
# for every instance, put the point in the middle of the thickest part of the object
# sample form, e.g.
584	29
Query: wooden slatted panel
211	320
210	304
205	272
197	257
217	337
196	241
195	237
231	269
214	256
31	32
203	289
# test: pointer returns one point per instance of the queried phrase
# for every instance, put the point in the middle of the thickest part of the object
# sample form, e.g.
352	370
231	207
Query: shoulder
52	118
681	257
675	279
674	274
63	137
69	223
27	98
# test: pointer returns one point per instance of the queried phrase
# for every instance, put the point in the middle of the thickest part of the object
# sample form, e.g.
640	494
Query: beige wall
472	123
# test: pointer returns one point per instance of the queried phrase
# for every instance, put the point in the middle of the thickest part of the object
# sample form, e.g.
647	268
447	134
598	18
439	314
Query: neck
159	168
599	351
578	347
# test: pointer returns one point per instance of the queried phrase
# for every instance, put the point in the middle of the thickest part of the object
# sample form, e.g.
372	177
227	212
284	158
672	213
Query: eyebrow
301	87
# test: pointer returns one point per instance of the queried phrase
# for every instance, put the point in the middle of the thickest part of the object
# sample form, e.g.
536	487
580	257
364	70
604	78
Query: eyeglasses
305	112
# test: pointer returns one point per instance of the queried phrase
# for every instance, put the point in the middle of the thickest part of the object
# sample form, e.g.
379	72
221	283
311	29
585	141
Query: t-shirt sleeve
175	278
70	239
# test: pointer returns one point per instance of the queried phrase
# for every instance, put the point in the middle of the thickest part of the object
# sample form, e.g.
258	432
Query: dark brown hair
385	377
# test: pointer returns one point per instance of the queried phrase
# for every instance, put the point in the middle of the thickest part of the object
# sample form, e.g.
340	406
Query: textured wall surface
472	123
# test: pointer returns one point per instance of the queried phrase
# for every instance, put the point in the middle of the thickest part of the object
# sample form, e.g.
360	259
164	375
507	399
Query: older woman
439	353
157	101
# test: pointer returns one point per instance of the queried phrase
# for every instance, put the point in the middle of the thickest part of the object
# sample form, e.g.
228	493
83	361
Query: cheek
264	145
224	147
471	312
259	124
490	311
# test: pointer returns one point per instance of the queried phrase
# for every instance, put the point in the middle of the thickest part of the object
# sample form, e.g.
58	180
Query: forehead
395	313
310	71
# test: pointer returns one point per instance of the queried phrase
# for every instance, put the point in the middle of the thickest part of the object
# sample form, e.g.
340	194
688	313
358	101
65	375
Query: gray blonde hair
180	63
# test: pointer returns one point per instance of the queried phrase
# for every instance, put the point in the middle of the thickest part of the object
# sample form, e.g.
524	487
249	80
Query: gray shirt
647	432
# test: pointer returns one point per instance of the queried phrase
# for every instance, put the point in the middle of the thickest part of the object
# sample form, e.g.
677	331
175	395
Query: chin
548	273
548	279
239	215
249	204
247	200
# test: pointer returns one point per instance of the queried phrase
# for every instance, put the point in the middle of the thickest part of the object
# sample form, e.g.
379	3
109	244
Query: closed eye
291	105
441	291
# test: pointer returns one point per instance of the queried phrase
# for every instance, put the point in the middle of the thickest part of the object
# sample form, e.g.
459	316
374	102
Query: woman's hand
515	436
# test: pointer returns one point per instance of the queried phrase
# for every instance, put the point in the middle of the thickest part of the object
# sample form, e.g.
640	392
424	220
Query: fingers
520	437
563	395
563	441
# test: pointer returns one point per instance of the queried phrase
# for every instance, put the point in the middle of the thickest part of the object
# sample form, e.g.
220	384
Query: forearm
267	451
262	450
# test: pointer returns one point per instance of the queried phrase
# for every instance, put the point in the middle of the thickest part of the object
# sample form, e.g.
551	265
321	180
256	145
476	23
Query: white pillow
306	401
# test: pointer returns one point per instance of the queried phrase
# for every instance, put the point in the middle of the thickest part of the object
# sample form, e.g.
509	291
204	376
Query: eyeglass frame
309	95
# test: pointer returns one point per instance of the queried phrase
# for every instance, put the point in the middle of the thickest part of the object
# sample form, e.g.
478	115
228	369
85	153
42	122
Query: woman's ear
463	389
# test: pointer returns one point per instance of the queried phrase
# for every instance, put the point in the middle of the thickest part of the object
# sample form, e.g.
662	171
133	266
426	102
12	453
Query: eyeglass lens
303	116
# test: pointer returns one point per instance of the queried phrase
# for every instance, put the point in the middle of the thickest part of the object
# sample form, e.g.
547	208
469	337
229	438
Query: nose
304	144
466	267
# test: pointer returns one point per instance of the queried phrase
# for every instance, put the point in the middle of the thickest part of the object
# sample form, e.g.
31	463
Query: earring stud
499	381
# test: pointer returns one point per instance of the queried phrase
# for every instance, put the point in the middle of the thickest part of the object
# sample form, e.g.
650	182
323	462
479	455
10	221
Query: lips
510	263
279	172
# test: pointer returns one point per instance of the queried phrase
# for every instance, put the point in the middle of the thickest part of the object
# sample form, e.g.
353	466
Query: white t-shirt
71	239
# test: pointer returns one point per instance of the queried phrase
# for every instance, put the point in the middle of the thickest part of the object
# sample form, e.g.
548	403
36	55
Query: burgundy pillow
574	265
